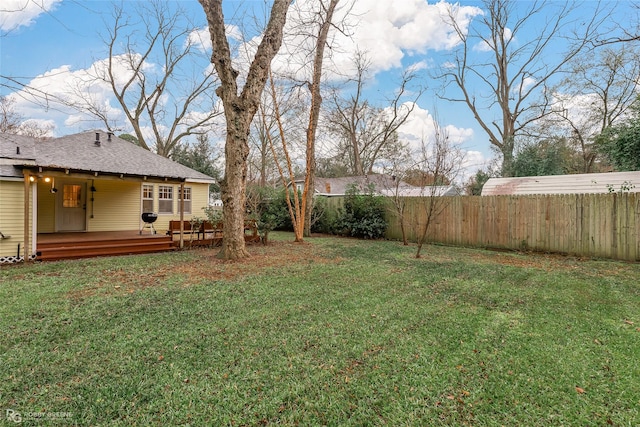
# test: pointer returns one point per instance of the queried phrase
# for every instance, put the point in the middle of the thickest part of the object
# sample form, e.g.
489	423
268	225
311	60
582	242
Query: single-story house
564	184
89	182
384	185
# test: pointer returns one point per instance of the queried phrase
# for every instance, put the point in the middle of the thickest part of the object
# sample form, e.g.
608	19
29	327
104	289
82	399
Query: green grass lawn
330	332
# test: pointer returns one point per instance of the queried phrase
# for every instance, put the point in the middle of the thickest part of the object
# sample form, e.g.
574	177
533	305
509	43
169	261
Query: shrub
325	218
363	215
267	206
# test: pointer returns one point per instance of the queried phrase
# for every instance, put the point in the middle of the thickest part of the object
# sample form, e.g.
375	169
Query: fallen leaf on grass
579	389
628	322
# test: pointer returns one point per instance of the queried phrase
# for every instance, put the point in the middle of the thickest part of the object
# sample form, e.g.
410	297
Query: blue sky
51	41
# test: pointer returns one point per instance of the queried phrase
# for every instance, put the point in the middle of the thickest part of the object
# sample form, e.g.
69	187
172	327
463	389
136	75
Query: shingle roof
383	184
15	150
81	153
562	184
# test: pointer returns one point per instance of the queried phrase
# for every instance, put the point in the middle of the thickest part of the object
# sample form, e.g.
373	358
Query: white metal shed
564	184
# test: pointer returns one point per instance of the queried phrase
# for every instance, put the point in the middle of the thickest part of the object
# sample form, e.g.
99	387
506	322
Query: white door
71	204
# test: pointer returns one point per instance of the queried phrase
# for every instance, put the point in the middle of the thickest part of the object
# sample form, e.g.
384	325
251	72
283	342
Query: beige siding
46	208
116	206
200	200
12	217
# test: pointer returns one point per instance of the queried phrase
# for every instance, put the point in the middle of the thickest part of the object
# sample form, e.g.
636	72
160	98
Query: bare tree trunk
442	160
239	112
316	101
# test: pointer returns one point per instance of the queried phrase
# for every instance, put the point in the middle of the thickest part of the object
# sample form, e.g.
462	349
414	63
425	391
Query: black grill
149	218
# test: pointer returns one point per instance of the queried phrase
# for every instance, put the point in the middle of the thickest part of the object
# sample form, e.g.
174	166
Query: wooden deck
55	246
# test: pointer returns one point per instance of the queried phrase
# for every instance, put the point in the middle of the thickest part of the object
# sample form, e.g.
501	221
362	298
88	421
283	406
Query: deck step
92	248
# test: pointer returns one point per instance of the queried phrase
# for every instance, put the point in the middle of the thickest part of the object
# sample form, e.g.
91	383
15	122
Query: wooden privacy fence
594	225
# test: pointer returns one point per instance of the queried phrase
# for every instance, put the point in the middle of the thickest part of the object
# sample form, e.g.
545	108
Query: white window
165	199
187	200
147	198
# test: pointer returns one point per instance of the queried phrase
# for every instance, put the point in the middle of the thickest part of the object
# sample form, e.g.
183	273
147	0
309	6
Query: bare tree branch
500	92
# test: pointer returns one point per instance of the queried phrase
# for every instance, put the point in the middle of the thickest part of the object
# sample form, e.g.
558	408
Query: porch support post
27	197
34	216
181	204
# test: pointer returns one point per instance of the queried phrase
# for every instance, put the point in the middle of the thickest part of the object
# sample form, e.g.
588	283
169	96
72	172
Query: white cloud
22	13
201	38
389	31
62	95
53	94
487	45
419	127
527	82
420	65
386	31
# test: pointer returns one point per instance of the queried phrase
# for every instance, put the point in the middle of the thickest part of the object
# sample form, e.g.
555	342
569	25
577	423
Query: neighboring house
88	182
383	185
564	184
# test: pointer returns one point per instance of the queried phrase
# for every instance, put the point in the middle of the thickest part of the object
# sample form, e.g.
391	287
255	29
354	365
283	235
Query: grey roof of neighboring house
340	186
435	190
562	184
81	153
385	185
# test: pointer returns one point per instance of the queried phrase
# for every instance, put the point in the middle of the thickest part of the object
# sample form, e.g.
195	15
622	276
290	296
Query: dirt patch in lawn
203	265
555	262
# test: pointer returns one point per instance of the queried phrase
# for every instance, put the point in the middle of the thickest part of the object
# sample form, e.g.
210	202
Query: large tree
13	122
553	156
621	143
366	133
239	110
503	66
10	119
301	206
154	78
199	156
596	93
